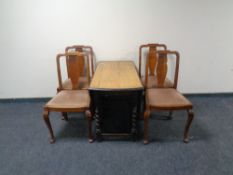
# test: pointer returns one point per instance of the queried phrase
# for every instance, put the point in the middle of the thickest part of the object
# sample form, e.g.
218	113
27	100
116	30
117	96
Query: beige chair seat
77	100
153	83
167	99
83	84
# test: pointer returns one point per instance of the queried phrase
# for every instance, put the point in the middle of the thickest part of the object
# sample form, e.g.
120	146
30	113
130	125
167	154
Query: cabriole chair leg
187	126
47	122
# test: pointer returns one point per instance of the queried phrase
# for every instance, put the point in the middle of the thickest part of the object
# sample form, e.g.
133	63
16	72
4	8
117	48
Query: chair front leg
187	126
146	123
47	122
89	123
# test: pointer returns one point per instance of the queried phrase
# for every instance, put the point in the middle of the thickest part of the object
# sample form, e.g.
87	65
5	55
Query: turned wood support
98	130
47	122
187	126
134	123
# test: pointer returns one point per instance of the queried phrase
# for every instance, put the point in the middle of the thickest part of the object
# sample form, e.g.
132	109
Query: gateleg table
116	93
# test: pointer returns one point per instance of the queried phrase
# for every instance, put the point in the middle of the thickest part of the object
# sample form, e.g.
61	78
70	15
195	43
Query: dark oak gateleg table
116	92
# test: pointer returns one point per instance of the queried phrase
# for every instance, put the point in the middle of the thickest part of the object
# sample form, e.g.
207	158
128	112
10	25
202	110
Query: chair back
151	56
75	69
86	49
162	67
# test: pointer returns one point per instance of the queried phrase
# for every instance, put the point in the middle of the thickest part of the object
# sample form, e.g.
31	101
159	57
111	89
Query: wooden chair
156	69
83	80
153	80
168	99
73	100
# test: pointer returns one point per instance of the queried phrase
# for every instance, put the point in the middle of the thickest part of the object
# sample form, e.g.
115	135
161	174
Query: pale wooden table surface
115	75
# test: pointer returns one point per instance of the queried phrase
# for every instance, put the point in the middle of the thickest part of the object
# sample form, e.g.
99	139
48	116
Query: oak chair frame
152	67
149	108
64	110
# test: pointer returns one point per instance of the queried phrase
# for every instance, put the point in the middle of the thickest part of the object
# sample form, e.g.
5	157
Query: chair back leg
146	125
89	120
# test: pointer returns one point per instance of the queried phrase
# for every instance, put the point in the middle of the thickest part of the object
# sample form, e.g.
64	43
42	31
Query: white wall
32	32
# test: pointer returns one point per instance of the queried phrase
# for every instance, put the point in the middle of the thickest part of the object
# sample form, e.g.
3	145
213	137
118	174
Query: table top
116	75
